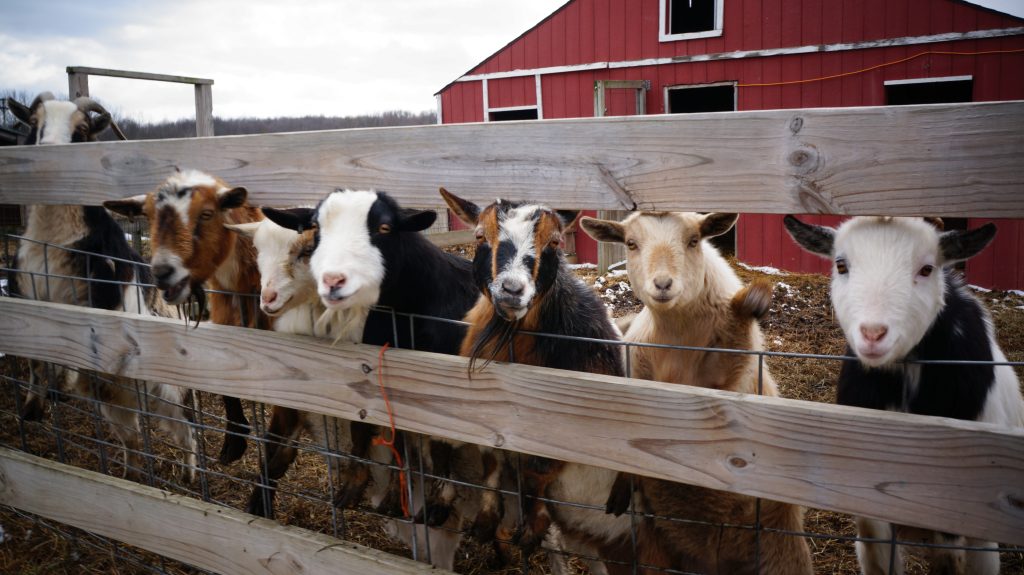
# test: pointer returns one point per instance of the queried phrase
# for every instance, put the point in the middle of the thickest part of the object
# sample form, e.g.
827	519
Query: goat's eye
694	241
384	229
630	244
841	267
926	271
207	214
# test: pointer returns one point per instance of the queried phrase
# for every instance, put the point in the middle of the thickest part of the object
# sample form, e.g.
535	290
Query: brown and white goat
78	255
526	286
191	247
693	298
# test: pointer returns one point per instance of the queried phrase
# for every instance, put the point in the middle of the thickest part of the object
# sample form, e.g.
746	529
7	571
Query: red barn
619	57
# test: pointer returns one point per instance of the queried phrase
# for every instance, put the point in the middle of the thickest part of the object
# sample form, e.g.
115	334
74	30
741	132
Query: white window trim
539	106
928	80
664	36
666	89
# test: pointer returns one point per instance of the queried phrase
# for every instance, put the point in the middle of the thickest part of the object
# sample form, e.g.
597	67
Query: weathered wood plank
445	239
136	75
943	160
204	110
937	473
201	534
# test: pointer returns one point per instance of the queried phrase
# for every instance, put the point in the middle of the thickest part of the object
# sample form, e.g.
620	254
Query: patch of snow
763	269
1020	307
583	266
1016	292
979	288
3	287
616	265
617	273
787	287
777	341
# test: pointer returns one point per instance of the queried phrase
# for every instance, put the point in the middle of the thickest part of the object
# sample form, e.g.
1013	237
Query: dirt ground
800	321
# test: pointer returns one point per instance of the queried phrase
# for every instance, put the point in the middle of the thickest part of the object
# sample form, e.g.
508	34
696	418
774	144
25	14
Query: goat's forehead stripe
344	214
55	126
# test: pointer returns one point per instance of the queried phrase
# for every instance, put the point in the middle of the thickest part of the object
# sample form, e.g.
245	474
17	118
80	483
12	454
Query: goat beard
196	303
498	334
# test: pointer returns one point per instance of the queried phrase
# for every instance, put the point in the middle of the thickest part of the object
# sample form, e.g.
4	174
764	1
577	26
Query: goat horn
87	104
42	97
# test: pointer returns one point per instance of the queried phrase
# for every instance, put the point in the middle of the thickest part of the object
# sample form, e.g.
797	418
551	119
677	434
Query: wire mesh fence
147	433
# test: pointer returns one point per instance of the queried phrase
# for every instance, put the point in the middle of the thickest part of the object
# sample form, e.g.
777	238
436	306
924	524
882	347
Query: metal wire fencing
137	430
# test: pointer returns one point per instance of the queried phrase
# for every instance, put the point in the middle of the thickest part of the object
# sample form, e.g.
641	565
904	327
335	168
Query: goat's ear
936	223
603	230
130	207
815	239
568	219
233	198
413	220
717	224
20	111
247	229
465	210
298	219
959	245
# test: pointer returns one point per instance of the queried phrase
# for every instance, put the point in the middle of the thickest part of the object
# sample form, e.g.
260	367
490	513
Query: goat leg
620	495
284	428
356	477
538	474
492	504
236	431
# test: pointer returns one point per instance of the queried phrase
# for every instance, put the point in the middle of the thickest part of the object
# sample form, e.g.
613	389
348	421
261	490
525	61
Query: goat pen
941	160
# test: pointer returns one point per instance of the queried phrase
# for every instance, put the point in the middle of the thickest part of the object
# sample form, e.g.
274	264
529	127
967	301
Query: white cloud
267	58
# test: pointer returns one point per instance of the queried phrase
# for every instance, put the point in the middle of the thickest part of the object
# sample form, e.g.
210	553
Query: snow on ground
763	269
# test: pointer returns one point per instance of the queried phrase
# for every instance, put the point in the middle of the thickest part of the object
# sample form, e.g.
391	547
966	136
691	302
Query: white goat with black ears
897	302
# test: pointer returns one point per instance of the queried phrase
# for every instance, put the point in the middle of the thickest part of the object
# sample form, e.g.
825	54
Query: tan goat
693	298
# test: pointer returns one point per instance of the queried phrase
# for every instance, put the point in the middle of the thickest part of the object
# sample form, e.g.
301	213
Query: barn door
617	104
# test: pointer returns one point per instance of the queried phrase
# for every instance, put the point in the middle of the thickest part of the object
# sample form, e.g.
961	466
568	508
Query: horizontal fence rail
203	534
936	160
921	471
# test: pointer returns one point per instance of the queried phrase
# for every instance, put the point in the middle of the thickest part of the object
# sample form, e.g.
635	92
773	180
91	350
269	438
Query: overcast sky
266	57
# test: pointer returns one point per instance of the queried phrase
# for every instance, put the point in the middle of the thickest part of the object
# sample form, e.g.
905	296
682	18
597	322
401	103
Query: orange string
390	443
883	65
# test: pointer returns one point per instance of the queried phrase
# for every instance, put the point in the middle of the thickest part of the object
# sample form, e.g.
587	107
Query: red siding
592	31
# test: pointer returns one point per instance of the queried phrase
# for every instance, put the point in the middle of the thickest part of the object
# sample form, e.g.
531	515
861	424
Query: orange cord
883	65
390	443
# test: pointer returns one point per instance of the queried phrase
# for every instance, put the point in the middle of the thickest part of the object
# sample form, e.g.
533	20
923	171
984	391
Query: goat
897	301
368	251
190	247
693	298
78	255
526	286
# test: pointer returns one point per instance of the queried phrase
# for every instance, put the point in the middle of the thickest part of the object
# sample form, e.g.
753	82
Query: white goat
897	302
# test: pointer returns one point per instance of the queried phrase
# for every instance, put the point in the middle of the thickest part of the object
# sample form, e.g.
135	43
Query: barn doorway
705	98
512	114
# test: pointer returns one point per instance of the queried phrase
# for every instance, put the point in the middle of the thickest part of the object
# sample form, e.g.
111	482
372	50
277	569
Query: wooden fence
947	160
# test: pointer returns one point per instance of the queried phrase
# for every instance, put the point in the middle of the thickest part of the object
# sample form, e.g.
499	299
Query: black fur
957	391
107	238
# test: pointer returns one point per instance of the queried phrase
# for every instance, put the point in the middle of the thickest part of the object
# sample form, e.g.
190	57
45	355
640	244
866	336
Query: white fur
883	286
345	248
518	228
55	122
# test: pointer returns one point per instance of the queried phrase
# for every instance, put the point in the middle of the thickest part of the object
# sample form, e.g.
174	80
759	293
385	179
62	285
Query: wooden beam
78	84
202	534
136	75
445	239
930	472
942	160
204	110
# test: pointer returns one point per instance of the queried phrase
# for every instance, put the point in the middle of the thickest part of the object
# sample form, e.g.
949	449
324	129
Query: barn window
706	98
929	91
686	19
512	114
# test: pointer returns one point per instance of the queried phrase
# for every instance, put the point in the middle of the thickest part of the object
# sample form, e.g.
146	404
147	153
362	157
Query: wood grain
929	472
205	535
941	160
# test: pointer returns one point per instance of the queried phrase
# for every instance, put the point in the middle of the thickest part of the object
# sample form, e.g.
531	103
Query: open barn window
704	98
686	19
512	114
929	91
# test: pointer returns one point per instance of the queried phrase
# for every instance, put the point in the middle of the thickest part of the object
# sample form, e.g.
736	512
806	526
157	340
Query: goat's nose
512	287
873	332
268	296
333	280
163	272
662	283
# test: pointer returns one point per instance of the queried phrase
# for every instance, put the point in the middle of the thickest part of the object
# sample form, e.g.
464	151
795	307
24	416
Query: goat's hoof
232	450
485	526
260	505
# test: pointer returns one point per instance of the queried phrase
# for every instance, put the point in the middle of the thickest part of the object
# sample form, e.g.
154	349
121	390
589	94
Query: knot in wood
800	157
796	124
362	414
499	440
737	462
366	368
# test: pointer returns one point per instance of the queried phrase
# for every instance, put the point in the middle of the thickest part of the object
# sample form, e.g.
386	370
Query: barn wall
588	31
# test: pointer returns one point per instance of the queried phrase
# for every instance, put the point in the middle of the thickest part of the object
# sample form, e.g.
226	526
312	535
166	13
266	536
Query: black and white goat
368	252
898	303
78	255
